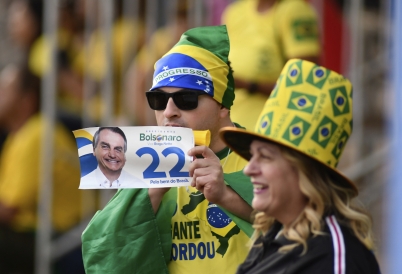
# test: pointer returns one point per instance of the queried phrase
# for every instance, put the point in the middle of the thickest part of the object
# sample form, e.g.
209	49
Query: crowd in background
82	74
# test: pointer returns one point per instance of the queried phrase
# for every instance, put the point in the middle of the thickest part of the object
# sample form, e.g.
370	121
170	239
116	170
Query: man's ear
224	112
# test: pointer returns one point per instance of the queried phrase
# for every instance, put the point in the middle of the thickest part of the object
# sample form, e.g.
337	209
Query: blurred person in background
264	34
24	26
127	36
78	55
69	82
20	174
307	219
139	75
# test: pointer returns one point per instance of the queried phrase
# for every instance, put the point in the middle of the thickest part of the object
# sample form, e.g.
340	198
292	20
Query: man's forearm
232	202
156	196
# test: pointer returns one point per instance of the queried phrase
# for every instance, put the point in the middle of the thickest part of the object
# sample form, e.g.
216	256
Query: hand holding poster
135	157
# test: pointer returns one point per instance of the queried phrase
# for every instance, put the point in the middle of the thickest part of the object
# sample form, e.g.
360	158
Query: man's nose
171	109
112	153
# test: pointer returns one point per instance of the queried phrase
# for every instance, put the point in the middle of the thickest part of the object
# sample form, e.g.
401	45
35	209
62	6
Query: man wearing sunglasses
197	229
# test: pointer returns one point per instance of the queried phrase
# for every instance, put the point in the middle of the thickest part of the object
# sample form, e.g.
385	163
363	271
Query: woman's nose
251	167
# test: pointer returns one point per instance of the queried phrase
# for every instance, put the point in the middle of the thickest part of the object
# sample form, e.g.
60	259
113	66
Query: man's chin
113	169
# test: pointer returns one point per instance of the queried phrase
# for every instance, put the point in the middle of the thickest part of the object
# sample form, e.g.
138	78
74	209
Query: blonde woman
307	220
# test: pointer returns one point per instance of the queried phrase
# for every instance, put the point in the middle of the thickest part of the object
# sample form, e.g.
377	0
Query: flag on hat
199	61
309	110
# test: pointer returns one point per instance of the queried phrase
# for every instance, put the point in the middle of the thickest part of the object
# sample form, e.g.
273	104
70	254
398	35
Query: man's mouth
112	161
172	125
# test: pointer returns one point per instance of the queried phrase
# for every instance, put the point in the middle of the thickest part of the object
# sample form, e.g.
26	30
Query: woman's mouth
259	188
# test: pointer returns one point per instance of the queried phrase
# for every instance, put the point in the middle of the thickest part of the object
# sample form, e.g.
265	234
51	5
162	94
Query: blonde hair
324	196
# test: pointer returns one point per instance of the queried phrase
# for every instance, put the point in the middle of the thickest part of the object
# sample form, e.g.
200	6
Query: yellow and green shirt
204	238
127	237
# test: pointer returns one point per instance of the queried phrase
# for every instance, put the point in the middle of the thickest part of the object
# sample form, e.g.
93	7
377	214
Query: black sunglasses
185	99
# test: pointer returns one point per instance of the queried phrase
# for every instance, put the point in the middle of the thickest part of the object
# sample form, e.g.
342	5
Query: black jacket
338	251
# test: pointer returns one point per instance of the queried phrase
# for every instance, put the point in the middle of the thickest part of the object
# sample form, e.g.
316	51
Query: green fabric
212	38
127	237
242	185
216	40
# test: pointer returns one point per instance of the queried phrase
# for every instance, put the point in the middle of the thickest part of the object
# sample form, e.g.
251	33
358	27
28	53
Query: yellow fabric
310	110
20	171
260	45
195	240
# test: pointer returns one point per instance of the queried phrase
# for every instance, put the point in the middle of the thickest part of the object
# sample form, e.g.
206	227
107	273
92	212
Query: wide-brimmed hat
309	111
199	61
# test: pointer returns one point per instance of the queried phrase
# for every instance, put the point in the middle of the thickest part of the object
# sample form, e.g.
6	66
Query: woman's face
276	183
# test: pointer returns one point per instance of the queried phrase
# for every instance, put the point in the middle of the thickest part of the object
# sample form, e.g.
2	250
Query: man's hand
207	174
156	196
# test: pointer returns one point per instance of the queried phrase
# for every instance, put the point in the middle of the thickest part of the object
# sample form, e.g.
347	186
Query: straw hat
310	111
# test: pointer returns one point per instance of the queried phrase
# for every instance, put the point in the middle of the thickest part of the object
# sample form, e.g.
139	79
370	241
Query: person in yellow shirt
25	30
20	171
264	34
202	228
